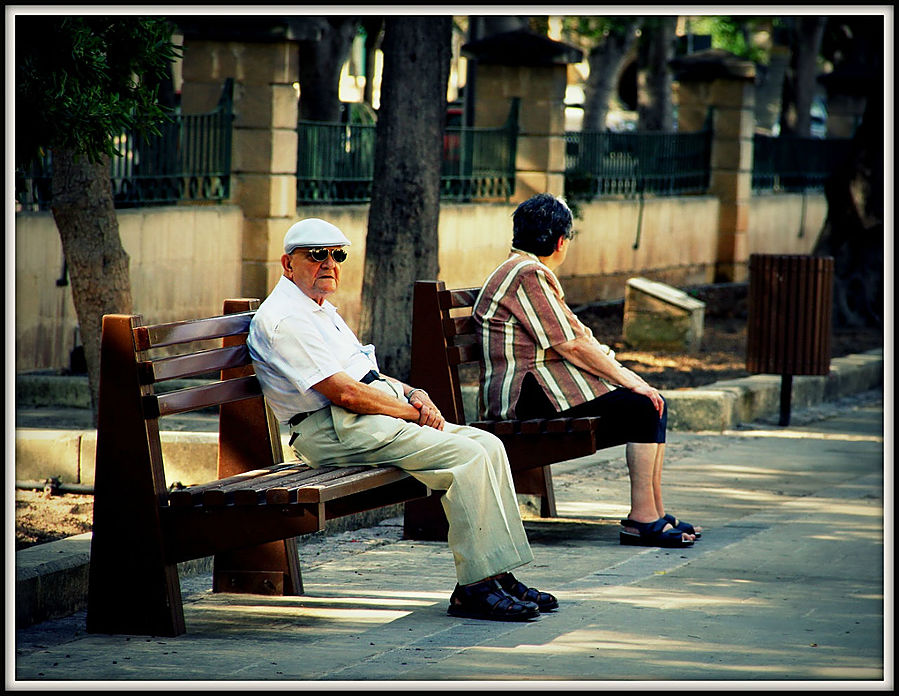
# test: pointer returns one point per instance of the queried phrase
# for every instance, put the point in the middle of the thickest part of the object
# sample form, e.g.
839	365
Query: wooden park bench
248	518
444	339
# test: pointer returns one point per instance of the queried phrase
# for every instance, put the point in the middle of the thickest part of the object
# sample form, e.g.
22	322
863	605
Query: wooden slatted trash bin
789	327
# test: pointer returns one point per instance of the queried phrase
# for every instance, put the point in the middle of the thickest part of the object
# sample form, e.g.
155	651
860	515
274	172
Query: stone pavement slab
788	586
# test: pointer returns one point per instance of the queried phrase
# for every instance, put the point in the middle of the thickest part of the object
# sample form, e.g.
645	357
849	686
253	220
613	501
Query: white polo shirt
295	343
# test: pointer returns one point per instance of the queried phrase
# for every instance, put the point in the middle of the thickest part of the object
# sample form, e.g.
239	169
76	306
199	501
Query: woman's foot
683	526
488	600
657	533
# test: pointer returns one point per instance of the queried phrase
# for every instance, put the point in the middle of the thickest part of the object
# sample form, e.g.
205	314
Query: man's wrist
412	391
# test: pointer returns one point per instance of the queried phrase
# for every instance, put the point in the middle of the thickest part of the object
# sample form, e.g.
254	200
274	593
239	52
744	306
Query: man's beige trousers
485	531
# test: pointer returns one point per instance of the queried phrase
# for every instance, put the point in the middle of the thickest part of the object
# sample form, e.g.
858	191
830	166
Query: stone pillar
533	68
264	145
718	81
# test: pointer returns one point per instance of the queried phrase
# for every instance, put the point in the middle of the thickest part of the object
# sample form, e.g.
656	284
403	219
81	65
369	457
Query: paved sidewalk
786	586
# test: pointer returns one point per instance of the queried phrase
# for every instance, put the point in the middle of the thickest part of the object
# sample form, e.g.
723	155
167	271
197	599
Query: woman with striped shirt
540	361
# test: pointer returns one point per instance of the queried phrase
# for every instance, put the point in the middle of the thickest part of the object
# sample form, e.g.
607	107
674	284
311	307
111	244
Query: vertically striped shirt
521	314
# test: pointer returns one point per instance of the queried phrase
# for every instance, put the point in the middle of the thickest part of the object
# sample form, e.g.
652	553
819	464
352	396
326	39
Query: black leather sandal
653	534
488	600
544	600
683	526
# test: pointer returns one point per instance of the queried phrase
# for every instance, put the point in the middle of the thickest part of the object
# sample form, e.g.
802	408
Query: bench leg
267	569
537	481
133	589
425	520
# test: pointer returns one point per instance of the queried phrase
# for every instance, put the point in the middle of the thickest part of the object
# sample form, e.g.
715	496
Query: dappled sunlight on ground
802	435
638	656
676	598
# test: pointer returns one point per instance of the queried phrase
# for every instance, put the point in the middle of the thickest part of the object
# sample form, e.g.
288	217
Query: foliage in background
735	34
80	80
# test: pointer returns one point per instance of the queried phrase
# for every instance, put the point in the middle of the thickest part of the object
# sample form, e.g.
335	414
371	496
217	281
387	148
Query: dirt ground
41	519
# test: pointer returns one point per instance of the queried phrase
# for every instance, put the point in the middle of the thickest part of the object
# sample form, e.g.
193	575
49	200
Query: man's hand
429	414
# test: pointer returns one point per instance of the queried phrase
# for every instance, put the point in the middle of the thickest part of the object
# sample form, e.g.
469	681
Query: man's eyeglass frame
319	255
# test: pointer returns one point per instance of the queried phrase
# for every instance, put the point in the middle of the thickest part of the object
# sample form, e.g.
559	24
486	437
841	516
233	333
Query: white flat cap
313	232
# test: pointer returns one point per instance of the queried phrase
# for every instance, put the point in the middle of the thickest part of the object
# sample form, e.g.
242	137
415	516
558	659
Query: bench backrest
444	338
133	366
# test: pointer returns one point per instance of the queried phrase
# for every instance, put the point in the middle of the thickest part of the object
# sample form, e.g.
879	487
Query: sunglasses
319	255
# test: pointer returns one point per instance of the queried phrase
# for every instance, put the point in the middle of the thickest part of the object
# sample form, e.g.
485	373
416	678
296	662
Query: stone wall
186	259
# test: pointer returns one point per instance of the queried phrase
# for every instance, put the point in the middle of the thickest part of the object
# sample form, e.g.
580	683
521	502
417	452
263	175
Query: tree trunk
853	231
605	62
320	65
800	85
401	244
97	263
769	91
654	105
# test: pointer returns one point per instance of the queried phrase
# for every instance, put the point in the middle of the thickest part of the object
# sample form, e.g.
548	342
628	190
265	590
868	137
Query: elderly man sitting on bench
343	411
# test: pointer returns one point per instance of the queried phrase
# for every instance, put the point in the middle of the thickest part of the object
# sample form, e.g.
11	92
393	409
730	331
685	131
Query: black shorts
626	415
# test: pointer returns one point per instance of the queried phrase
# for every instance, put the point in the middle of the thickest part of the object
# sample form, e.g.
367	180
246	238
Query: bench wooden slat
459	326
460	355
461	297
585	423
557	425
173	333
287	490
301	478
193	495
193	398
180	366
531	427
350	484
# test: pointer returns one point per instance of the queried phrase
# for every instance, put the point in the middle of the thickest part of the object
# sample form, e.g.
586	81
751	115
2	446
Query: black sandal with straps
488	600
544	600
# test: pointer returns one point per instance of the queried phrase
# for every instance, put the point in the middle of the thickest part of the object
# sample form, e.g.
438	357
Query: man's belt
368	378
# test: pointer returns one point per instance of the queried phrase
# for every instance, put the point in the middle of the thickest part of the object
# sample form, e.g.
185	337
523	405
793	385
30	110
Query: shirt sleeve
541	309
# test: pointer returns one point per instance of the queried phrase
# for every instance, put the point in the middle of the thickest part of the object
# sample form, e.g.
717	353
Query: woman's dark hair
538	223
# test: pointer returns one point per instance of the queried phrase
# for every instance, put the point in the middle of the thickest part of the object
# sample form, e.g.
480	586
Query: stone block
265	150
263	238
733	154
528	184
660	317
265	106
42	454
543	117
540	153
733	93
200	97
731	123
731	185
265	195
698	410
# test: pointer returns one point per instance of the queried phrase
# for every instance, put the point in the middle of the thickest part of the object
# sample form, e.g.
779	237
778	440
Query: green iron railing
601	164
479	163
189	160
790	164
335	161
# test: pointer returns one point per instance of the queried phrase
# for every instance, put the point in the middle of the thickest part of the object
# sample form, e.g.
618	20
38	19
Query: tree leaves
80	81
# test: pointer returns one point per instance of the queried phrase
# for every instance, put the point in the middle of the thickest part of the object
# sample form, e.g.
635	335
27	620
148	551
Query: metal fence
335	161
189	160
602	164
795	164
